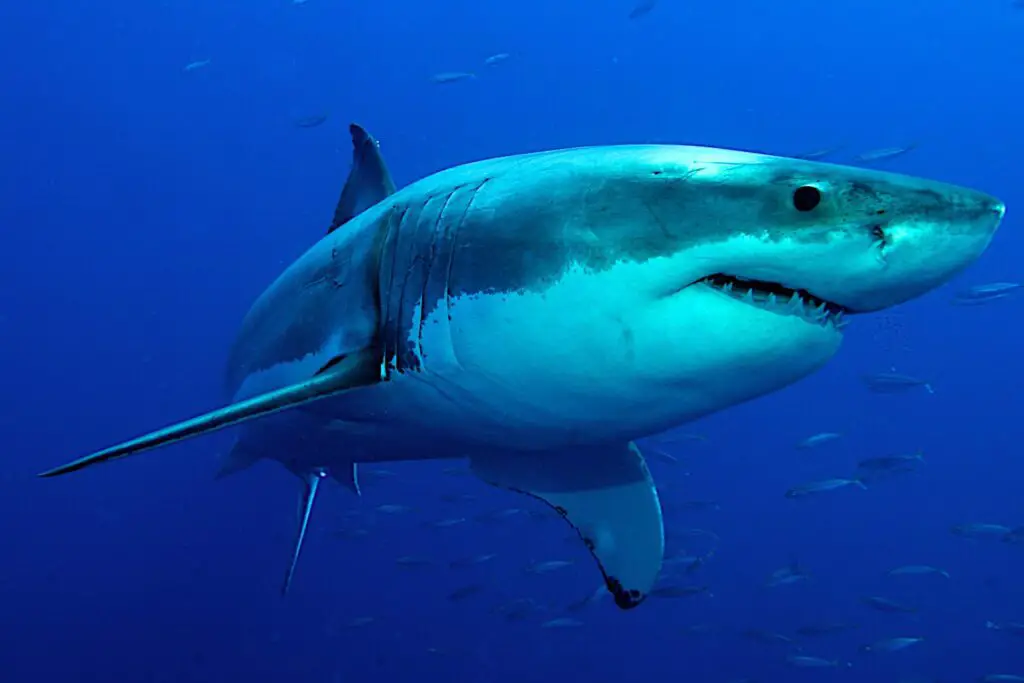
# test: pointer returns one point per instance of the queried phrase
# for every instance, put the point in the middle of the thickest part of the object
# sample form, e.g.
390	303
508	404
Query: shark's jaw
777	298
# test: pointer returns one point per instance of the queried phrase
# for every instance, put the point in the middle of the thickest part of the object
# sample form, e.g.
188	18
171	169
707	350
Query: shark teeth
779	299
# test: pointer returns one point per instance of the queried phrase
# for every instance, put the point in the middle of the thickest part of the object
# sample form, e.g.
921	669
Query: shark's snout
936	234
997	209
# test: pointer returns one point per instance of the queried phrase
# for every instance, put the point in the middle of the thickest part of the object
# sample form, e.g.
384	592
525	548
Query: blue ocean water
144	204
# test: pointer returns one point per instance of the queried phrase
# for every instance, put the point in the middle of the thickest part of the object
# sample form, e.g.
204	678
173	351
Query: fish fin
347	477
311	483
606	493
236	460
368	183
353	371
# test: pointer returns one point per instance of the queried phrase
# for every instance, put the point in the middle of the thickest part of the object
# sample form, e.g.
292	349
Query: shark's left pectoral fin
355	370
311	483
606	493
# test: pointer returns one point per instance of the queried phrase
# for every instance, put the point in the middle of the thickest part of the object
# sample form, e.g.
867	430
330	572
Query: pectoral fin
355	370
606	493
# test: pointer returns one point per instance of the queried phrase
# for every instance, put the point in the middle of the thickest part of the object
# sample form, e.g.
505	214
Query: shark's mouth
778	298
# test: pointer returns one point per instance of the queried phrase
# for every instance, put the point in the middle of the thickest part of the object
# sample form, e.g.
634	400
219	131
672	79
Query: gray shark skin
538	314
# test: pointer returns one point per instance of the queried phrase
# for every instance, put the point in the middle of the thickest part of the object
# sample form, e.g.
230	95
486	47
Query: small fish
661	455
359	622
678	591
498	515
642	9
472	561
917	570
887	605
461	594
1011	627
445	523
391	509
824	628
518	610
820	153
310	121
672	438
497	58
981	530
891	463
767	637
446	77
819	439
894	382
547	567
821	486
1001	678
412	561
980	294
791	573
806	662
885	153
198	64
686	563
890	645
698	630
562	622
594	597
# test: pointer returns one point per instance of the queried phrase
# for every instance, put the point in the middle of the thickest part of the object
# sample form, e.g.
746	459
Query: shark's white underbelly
593	360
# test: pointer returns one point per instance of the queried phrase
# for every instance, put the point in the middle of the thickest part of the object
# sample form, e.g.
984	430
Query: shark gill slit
389	251
411	223
431	257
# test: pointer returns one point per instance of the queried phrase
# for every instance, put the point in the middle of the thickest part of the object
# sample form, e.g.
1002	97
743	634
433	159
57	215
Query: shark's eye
806	198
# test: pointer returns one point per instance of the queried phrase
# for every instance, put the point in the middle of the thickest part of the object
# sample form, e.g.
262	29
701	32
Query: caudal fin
355	370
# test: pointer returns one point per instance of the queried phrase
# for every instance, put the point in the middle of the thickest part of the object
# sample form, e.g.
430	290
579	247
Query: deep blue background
143	207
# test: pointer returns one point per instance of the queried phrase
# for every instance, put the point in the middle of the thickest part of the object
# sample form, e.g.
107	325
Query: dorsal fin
369	181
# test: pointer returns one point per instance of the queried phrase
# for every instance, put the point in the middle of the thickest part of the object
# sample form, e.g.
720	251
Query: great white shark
538	314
